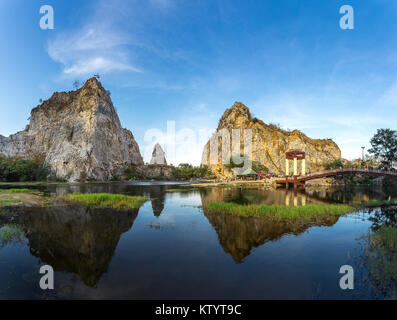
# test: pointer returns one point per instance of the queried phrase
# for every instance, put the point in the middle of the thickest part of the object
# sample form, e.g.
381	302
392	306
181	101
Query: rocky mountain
78	133
269	143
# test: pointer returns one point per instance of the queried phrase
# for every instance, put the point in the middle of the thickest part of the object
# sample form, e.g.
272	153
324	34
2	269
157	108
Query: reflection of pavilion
76	239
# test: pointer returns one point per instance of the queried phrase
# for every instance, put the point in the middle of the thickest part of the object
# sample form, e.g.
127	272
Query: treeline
187	171
17	169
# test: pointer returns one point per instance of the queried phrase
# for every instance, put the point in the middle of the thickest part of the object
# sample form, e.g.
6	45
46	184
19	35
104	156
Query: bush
17	169
131	172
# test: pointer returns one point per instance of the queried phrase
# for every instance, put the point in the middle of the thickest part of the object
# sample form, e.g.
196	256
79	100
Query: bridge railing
358	170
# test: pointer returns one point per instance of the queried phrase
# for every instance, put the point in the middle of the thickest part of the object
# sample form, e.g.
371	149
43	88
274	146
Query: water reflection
74	239
350	194
156	192
238	236
185	261
377	256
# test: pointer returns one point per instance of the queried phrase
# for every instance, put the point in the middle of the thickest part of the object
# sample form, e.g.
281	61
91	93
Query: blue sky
188	60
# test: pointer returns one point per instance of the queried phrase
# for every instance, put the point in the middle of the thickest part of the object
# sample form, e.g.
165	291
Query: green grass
309	213
105	200
10	233
10	201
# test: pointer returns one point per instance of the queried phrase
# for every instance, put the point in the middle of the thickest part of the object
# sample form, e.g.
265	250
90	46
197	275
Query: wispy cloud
92	49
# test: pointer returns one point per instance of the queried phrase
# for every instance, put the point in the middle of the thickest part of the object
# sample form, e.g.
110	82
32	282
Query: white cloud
98	64
92	49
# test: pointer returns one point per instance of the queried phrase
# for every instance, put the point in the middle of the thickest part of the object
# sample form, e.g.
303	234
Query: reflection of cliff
157	196
76	239
238	236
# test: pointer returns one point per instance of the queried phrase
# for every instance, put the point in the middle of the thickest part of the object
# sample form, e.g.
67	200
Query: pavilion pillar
303	167
286	167
295	166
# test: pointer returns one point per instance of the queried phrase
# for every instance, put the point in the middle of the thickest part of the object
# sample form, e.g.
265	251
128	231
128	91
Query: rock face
158	155
269	144
78	134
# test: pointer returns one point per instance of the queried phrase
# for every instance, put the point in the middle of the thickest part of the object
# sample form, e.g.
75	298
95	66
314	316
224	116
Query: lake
172	249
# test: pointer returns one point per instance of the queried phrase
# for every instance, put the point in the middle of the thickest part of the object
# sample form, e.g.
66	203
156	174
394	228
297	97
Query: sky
180	63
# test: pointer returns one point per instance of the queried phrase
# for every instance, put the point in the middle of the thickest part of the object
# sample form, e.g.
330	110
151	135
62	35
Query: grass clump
105	200
11	234
309	213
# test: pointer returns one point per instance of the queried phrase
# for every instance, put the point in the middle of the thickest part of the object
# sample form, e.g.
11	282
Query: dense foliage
18	169
256	165
334	164
187	171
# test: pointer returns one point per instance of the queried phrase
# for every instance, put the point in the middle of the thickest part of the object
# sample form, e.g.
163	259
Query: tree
384	147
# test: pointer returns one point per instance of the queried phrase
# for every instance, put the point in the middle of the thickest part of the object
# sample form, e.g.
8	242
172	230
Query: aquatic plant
307	213
105	200
10	234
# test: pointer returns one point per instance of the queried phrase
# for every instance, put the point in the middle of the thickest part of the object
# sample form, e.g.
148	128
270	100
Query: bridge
300	180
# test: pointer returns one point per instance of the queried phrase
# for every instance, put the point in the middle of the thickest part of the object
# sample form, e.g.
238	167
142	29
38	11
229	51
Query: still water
171	249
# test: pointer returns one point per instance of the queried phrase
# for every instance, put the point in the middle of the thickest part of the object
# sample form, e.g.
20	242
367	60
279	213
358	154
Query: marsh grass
105	200
11	234
309	213
23	190
380	257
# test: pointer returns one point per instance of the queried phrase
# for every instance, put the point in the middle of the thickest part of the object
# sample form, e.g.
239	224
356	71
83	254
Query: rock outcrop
158	155
78	134
269	144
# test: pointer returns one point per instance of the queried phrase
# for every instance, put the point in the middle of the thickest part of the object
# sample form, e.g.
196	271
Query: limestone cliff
78	133
158	155
269	143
